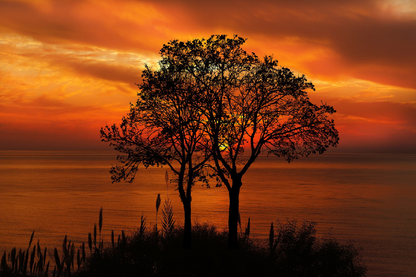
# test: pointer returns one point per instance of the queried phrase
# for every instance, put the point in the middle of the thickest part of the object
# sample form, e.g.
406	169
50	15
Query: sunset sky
69	67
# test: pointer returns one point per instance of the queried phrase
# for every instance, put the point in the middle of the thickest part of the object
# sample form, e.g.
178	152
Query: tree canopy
162	128
210	99
250	105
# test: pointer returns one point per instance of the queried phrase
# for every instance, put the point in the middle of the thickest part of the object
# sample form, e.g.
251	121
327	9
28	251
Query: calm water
369	199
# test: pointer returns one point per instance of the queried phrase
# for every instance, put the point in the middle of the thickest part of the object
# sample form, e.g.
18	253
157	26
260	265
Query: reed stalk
142	228
89	242
100	220
95	236
112	239
157	208
271	238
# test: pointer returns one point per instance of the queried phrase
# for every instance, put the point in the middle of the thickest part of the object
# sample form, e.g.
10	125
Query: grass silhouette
292	250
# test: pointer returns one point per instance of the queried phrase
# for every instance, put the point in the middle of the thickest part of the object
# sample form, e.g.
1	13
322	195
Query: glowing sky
69	67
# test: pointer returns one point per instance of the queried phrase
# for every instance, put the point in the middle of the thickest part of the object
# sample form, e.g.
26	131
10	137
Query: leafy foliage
210	99
247	104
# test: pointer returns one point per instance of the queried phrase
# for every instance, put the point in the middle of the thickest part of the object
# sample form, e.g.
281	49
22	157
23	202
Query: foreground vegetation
291	250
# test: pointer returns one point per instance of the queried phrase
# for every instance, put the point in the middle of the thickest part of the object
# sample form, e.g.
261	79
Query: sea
366	199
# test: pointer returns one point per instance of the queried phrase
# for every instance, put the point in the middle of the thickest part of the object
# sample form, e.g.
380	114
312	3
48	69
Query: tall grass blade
157	208
16	265
31	238
20	258
32	259
95	235
247	232
57	262
100	220
39	250
102	245
47	269
83	252
25	258
72	255
123	238
78	259
39	266
157	202
271	238
4	267
89	241
13	257
142	228
64	243
44	256
112	238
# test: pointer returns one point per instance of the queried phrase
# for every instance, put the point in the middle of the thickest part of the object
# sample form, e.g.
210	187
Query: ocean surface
369	199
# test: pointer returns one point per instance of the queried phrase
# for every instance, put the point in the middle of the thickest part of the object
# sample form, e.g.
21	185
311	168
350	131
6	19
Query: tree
162	128
249	105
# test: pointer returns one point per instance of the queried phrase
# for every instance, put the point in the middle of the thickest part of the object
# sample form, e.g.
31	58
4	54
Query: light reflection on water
369	199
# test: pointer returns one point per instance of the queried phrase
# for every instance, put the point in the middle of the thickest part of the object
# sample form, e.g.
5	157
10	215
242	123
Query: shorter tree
162	128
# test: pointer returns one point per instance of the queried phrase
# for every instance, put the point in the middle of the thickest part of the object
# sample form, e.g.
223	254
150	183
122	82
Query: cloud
53	138
45	123
117	72
73	64
367	39
361	39
95	23
106	65
376	125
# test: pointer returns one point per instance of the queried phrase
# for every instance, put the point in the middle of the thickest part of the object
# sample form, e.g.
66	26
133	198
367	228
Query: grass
292	250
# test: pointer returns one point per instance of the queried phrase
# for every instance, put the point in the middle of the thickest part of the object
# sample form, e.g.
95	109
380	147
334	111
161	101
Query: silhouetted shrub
296	252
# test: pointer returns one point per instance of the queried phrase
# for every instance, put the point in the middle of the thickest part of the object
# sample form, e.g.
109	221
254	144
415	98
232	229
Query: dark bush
295	251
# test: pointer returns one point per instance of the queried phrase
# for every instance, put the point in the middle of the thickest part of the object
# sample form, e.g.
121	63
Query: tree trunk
233	214
188	224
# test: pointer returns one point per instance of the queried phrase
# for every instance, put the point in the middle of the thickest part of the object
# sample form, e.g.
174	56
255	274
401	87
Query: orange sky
68	67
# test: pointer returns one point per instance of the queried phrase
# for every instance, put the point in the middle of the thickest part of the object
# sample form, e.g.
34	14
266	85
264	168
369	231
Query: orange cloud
371	126
94	23
71	65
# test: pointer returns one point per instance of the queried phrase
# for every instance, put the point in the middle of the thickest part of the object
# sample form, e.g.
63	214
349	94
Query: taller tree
250	105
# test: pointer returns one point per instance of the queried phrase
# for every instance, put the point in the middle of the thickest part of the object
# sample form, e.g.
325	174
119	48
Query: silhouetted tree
162	128
248	104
